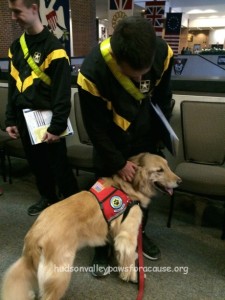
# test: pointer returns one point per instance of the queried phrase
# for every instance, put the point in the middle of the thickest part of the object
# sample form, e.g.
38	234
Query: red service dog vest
113	202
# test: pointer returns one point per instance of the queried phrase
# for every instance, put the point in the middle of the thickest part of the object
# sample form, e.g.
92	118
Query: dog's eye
160	170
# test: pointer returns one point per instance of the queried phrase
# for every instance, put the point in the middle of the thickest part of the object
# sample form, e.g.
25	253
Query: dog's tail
19	281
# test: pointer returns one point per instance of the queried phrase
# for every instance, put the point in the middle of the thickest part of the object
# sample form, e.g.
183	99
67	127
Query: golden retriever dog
65	227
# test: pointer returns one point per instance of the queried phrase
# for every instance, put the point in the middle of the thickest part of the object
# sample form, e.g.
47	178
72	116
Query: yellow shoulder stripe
120	121
87	85
166	63
90	87
125	81
56	54
60	53
9	53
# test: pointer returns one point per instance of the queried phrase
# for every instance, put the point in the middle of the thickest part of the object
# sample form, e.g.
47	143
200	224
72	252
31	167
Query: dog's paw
130	274
134	279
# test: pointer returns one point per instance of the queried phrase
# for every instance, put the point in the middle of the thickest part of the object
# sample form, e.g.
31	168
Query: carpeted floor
192	266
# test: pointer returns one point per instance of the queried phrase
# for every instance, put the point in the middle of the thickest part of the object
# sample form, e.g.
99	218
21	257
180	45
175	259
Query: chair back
3	103
82	133
203	125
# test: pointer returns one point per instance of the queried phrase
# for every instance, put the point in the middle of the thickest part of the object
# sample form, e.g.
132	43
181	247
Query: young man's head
133	45
25	13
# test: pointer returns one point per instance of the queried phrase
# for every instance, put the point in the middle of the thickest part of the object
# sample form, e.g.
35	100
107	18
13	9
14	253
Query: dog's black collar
129	206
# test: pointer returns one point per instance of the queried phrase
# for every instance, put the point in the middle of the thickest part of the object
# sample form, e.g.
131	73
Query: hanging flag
172	30
154	12
179	65
55	14
119	9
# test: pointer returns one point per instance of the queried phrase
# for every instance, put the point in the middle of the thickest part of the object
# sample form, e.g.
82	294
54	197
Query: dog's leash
141	278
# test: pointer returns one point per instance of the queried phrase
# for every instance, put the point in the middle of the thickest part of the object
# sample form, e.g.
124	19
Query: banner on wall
179	65
172	30
56	15
118	9
221	60
154	12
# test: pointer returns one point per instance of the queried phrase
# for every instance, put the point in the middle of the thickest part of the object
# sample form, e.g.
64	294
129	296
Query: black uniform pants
50	165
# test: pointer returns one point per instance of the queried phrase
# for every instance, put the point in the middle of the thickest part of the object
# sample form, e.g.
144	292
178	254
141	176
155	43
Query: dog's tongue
169	191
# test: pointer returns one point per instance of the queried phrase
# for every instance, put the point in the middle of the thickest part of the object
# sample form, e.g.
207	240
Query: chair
80	154
8	147
203	170
4	137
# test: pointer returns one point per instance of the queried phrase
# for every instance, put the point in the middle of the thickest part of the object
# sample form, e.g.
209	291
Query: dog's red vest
112	201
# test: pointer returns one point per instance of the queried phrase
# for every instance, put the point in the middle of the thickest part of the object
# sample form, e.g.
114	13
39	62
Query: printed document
37	123
170	138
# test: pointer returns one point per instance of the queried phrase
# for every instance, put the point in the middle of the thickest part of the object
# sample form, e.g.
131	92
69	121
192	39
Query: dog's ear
139	179
138	159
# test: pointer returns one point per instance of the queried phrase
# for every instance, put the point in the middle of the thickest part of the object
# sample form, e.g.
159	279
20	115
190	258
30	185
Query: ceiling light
201	11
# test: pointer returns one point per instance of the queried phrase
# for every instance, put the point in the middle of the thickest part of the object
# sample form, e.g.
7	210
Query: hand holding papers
38	122
169	137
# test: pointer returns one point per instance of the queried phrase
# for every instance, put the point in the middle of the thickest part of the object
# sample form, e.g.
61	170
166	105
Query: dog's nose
179	181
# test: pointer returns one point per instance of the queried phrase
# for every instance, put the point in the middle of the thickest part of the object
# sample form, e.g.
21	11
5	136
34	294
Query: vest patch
37	57
144	86
113	202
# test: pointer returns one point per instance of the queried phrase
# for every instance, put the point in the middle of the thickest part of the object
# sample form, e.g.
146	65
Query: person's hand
128	171
50	138
13	132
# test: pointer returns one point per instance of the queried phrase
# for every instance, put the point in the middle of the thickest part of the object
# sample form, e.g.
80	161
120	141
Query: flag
56	15
154	12
52	19
172	30
178	66
119	9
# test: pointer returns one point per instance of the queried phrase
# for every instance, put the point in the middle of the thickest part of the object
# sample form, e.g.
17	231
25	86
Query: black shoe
100	263
38	207
150	250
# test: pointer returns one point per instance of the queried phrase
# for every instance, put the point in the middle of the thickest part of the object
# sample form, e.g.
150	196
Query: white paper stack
38	122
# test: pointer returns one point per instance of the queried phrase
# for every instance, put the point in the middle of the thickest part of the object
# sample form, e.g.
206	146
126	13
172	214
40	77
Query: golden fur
67	226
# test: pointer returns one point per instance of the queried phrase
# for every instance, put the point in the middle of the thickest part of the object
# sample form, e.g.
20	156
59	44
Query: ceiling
211	11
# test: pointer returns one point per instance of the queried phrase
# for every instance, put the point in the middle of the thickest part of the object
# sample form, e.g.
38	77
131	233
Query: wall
200	38
217	36
183	39
83	23
189	38
84	26
9	30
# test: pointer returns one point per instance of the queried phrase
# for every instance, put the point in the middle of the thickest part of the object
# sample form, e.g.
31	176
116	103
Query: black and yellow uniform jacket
26	90
119	125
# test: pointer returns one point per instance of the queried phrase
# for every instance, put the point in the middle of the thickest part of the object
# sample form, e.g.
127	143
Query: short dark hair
28	3
134	42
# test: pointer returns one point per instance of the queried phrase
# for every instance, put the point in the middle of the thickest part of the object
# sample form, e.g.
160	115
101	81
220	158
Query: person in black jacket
116	82
48	160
